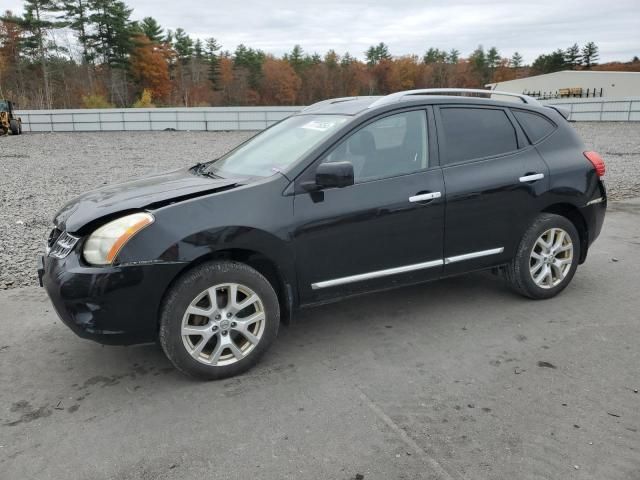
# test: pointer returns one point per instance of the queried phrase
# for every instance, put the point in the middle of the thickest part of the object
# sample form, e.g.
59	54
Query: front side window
279	147
392	146
471	133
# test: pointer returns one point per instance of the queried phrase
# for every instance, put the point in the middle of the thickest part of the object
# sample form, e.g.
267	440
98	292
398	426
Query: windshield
278	147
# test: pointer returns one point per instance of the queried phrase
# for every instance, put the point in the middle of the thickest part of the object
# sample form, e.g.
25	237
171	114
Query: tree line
91	53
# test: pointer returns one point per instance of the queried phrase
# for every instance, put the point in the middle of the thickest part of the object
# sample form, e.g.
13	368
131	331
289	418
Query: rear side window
535	126
471	133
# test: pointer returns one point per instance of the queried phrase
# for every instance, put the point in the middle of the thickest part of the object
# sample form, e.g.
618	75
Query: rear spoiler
561	110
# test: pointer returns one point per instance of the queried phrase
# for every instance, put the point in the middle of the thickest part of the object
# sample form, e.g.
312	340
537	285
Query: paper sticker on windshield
322	125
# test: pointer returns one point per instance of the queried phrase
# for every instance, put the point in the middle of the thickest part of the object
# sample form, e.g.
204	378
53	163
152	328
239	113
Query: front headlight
103	245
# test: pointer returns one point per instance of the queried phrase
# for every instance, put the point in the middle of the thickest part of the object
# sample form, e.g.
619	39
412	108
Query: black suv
351	195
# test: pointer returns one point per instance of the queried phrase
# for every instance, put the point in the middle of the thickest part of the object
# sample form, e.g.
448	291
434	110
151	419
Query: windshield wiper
200	168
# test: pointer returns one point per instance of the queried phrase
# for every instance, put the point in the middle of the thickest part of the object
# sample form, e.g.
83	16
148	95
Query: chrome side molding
404	269
594	201
532	178
472	255
376	274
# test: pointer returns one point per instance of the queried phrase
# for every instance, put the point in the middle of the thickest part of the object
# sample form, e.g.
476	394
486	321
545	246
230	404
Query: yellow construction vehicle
9	123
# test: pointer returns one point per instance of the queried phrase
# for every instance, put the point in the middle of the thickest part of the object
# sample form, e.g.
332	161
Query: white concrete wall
613	84
600	109
149	119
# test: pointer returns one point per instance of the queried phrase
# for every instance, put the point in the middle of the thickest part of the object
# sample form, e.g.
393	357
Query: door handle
423	197
532	177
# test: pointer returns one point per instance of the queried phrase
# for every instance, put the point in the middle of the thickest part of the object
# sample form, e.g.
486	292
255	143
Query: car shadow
424	305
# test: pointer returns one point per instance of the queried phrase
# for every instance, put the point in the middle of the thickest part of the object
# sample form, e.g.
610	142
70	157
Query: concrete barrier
600	109
150	119
258	118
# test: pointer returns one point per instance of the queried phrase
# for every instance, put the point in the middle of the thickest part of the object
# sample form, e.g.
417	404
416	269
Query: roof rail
398	96
313	106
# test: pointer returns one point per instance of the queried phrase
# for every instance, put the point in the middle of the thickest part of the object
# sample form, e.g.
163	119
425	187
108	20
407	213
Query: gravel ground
458	379
40	172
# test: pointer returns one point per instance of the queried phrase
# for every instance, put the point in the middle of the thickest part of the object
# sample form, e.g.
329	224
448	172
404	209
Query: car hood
150	191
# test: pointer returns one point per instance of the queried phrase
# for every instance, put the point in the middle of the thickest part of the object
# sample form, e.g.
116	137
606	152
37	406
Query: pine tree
434	55
375	54
152	29
112	42
548	63
252	61
76	15
479	64
346	60
211	52
36	24
572	56
198	49
453	56
296	58
493	59
182	44
590	55
516	60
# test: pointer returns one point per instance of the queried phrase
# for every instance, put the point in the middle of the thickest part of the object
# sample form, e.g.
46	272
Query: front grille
53	236
62	245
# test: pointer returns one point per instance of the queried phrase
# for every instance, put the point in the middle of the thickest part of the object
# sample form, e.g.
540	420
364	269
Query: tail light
597	162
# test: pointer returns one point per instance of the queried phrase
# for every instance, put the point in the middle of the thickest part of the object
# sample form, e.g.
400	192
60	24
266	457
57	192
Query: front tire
546	259
218	320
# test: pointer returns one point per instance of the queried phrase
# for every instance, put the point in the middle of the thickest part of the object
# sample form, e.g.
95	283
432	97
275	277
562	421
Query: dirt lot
40	172
458	379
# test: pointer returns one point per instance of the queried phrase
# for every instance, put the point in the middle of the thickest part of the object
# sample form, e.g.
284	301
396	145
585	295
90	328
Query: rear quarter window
471	133
534	125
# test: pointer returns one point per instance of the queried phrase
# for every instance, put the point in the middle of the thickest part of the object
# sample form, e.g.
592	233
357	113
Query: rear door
384	230
493	177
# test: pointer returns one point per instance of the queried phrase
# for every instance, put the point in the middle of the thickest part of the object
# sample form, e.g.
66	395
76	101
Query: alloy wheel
223	324
551	258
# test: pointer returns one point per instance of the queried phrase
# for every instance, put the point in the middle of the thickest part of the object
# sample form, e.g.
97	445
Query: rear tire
546	259
218	320
14	125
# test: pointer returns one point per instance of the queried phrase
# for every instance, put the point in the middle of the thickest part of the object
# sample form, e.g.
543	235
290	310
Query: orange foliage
280	83
10	46
618	67
150	67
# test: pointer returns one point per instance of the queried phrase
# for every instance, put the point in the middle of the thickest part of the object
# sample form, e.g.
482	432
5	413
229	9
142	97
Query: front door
384	230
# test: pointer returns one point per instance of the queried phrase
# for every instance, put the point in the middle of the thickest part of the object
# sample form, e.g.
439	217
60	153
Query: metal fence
600	109
149	119
566	93
259	118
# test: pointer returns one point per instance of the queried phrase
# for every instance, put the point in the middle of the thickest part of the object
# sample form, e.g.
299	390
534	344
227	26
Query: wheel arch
266	266
572	213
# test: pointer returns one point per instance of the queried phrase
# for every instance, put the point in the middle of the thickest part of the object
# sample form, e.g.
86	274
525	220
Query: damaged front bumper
114	305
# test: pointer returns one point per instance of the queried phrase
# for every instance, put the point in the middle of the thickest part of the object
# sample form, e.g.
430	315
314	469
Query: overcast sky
407	26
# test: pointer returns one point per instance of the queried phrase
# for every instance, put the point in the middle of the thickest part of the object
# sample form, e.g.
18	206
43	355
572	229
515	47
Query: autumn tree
149	67
280	83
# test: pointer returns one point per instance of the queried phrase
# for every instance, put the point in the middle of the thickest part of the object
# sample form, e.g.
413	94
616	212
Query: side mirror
334	175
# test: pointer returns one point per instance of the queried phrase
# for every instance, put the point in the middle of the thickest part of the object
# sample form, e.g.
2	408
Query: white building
575	83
